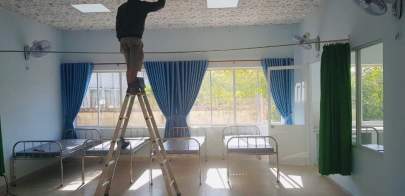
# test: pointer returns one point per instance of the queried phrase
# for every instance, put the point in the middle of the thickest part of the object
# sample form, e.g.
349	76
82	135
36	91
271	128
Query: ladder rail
162	156
111	159
108	172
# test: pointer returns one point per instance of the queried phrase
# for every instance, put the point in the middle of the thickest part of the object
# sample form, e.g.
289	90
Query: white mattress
189	146
248	144
103	148
50	149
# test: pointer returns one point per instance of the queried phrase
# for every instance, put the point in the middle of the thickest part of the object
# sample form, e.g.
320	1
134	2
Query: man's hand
154	6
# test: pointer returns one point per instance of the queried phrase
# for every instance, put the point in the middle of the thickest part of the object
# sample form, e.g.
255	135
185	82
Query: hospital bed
180	145
53	149
248	140
136	140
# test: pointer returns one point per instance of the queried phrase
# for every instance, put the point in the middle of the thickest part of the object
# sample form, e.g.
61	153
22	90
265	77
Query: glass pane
353	87
222	97
298	96
201	112
372	96
372	84
88	111
109	98
246	82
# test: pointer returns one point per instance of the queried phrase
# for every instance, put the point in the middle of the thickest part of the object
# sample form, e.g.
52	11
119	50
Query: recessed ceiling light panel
222	3
91	8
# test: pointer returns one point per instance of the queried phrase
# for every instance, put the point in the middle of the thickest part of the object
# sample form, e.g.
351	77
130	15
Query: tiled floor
249	177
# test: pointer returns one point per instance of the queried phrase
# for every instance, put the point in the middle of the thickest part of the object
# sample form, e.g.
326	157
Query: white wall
373	174
186	40
30	105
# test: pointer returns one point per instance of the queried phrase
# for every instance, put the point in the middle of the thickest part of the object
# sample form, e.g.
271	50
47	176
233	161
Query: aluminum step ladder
158	149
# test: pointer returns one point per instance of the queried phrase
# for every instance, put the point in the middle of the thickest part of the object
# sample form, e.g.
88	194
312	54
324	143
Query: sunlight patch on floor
77	183
145	178
289	181
216	178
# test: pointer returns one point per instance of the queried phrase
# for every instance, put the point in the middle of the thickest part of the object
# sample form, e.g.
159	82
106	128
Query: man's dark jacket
131	17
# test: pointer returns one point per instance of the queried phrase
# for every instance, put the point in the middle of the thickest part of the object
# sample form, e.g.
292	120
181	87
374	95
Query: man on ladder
130	27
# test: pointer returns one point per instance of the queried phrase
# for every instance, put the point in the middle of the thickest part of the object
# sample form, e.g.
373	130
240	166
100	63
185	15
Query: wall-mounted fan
380	7
37	49
306	42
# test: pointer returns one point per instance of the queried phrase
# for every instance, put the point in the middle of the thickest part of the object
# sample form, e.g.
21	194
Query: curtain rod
213	61
185	52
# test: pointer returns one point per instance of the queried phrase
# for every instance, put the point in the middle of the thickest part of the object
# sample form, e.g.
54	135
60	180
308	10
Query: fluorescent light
91	8
222	3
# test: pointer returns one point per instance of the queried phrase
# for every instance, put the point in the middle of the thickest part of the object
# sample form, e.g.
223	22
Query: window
227	96
232	96
370	96
102	103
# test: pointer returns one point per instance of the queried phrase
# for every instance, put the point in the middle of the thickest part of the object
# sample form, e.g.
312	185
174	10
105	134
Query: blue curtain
281	85
75	80
175	85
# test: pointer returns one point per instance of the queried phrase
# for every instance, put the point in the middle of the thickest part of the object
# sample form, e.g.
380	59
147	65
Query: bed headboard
85	133
241	130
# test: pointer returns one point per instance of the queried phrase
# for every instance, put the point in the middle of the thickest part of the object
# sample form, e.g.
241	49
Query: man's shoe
137	86
124	144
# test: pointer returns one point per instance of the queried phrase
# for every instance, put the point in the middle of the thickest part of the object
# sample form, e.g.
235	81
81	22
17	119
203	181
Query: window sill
374	147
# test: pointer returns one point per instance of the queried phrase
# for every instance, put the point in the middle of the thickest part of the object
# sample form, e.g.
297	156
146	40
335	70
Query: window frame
359	101
258	71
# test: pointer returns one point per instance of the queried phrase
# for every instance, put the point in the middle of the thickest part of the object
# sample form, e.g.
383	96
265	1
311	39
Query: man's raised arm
154	6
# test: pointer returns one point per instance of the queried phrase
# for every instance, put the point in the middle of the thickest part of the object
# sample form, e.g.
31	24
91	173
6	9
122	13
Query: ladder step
110	163
123	118
105	183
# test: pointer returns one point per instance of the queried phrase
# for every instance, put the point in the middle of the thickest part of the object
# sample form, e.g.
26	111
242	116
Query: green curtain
335	142
2	169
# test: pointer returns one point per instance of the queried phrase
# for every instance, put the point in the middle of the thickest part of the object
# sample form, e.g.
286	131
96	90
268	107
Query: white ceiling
176	14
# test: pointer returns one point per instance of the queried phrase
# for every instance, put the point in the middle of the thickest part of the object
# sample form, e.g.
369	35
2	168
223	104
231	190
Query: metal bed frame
369	129
186	145
248	140
36	149
105	146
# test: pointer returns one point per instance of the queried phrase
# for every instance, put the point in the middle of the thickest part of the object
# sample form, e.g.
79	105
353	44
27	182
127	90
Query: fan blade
39	48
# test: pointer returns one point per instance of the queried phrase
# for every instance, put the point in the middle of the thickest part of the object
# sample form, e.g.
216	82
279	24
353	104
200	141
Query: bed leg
131	174
206	151
278	168
150	165
61	171
12	172
199	162
83	179
227	169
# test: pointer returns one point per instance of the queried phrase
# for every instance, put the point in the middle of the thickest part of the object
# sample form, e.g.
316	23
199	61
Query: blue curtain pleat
281	82
75	80
175	85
